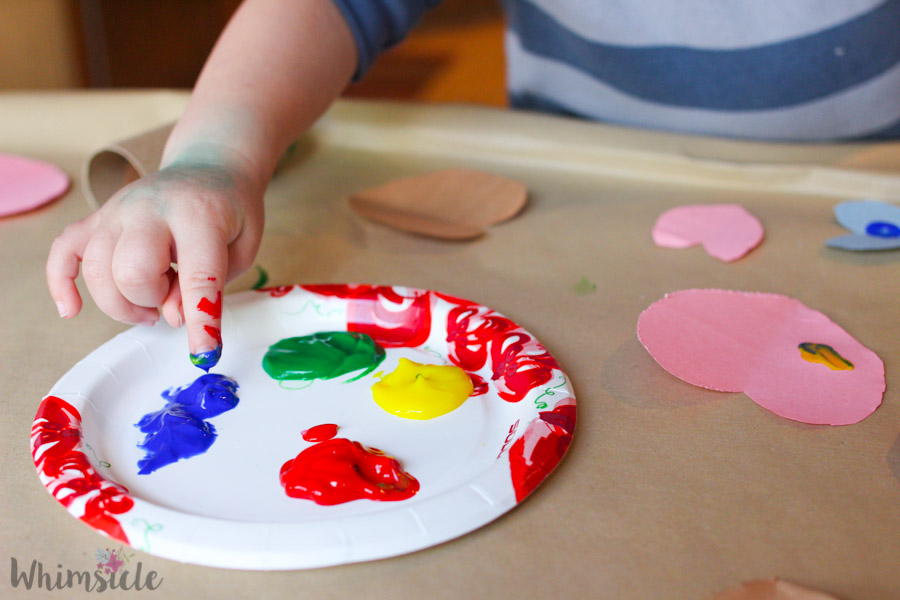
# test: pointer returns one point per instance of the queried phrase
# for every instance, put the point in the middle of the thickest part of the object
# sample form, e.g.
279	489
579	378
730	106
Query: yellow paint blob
828	356
417	391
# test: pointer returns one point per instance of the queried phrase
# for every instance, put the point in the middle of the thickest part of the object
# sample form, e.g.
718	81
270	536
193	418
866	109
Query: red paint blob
213	309
320	433
339	470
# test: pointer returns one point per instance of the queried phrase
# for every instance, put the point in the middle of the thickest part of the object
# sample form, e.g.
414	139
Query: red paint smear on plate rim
393	317
339	470
67	473
518	362
534	455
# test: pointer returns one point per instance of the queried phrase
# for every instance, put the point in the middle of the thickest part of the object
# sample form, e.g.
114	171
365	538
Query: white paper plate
226	508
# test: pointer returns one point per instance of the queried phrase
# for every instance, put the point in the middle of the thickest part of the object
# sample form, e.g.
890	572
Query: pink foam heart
727	231
750	342
26	183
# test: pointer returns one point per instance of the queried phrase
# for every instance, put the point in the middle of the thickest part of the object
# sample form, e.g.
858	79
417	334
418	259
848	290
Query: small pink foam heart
750	342
727	231
26	183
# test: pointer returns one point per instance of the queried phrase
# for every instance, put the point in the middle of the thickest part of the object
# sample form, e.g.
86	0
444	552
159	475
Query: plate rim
493	501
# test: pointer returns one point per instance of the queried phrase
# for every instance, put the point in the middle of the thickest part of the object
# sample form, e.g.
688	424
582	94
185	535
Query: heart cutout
453	204
26	184
726	231
875	226
788	358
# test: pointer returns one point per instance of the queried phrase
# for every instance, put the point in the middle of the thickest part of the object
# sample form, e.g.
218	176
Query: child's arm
275	69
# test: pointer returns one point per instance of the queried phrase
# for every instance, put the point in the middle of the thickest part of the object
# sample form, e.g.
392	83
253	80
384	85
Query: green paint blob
323	355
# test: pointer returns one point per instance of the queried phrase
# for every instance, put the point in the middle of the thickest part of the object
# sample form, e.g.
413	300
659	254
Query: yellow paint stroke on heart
828	356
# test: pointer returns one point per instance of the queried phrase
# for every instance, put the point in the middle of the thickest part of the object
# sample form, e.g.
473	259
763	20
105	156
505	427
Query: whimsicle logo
112	573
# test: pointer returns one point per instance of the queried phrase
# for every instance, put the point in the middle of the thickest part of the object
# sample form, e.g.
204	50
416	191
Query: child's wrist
233	137
217	156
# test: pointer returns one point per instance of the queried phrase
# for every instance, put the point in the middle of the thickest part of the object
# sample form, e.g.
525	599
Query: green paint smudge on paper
585	287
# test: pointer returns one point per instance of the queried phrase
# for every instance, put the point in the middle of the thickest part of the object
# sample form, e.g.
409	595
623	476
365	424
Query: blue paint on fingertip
207	360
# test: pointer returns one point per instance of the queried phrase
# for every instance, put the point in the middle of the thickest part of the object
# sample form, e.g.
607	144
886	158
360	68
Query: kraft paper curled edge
112	167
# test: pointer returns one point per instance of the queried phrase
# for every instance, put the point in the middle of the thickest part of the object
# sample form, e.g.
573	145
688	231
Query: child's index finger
201	276
207	354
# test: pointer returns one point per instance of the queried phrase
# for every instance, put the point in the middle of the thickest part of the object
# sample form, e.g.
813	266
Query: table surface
668	490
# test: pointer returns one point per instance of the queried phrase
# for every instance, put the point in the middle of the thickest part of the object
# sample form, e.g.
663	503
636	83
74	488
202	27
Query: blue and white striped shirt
800	70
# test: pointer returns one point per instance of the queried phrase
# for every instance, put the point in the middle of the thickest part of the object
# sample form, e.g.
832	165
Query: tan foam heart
453	204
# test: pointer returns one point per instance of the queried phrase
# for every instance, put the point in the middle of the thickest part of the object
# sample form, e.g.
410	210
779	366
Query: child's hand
204	216
275	69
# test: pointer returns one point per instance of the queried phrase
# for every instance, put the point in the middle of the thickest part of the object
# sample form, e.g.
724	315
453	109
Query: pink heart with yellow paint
788	358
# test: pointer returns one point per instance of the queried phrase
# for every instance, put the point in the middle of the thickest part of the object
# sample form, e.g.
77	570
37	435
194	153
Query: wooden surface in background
162	43
40	45
454	55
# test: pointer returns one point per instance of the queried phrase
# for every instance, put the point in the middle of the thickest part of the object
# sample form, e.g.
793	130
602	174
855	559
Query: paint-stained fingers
63	264
202	266
141	264
96	268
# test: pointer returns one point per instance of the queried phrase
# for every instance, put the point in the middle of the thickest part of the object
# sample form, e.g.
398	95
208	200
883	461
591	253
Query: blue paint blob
172	434
178	430
882	229
209	395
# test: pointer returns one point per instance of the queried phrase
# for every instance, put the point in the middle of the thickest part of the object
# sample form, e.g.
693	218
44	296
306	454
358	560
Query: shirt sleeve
377	25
